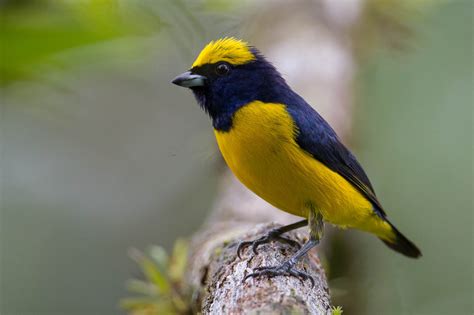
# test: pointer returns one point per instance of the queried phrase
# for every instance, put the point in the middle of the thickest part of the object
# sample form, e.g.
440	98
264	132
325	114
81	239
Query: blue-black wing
316	137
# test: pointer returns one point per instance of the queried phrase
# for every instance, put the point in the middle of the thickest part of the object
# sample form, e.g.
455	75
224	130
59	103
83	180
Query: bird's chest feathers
260	148
261	134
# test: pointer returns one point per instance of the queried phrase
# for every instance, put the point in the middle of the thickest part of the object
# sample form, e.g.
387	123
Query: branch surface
216	275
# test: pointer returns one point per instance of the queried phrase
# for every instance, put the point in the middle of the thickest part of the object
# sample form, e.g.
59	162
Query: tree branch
217	275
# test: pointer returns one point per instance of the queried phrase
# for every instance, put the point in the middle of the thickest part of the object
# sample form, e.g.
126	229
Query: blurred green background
99	153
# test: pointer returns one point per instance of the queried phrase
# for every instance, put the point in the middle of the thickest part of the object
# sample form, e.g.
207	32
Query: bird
284	151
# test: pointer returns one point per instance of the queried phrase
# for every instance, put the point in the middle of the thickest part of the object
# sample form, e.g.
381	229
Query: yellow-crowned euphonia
283	150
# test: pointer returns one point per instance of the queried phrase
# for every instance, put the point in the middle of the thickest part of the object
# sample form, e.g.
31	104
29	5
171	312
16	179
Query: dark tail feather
402	245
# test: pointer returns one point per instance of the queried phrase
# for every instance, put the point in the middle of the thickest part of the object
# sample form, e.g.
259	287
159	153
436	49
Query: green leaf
336	310
178	261
151	271
142	287
159	255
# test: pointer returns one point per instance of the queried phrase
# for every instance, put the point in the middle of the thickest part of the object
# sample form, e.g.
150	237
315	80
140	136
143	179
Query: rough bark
217	275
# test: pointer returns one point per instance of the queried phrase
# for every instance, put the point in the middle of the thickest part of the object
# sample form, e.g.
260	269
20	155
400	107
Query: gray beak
189	79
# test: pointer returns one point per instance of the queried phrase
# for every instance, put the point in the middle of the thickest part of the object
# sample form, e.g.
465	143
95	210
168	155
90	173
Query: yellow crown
228	49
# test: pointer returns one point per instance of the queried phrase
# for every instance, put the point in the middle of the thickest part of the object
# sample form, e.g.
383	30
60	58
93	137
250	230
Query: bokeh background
99	153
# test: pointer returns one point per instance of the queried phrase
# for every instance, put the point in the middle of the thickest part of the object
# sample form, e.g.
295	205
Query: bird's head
229	73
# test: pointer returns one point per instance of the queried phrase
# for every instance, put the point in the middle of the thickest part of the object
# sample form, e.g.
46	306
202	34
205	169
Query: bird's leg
287	268
273	235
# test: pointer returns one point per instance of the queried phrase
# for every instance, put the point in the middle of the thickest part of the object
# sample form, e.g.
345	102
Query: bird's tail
398	242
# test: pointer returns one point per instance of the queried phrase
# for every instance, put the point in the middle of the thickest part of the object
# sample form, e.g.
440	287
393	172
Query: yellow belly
262	152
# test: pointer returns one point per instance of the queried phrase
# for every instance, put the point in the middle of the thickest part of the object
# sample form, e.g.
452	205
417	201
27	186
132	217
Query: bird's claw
270	236
285	269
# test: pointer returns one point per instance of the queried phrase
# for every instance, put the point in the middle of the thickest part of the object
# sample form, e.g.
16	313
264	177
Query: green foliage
162	291
34	31
336	310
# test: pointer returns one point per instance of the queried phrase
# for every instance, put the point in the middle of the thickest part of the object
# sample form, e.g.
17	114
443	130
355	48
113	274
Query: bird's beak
189	79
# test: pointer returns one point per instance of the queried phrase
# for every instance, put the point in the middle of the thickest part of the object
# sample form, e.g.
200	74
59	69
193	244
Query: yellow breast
261	150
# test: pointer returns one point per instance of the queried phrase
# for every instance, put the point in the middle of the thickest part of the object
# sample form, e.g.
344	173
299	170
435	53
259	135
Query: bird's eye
222	69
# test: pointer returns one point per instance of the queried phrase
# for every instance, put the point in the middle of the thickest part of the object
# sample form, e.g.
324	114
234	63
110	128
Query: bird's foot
272	235
285	269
